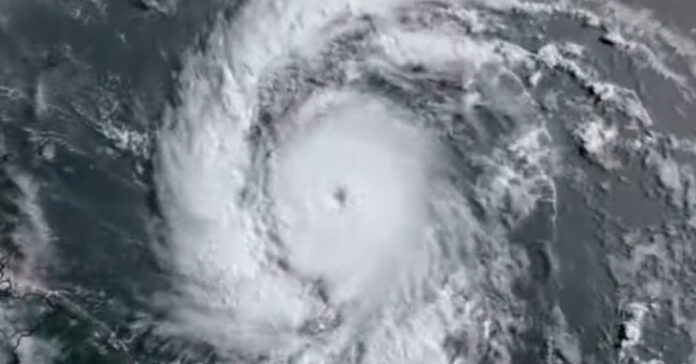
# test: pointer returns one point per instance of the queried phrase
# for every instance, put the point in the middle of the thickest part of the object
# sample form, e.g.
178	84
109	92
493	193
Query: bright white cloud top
313	217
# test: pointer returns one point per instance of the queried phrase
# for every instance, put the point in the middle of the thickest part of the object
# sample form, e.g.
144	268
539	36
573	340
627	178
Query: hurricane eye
340	196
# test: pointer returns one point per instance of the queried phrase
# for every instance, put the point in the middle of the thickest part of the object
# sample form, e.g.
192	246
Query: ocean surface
348	181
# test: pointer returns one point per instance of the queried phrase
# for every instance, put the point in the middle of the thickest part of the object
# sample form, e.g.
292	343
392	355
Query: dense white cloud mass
342	227
348	181
341	180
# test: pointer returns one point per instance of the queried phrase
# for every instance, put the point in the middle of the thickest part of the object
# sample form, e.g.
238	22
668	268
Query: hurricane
398	181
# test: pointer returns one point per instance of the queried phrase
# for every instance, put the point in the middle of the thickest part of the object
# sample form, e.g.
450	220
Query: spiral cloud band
345	181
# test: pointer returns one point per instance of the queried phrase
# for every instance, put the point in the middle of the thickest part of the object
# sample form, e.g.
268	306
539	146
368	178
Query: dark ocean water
598	268
96	64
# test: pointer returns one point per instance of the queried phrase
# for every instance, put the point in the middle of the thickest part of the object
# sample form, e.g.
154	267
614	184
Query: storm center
350	194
